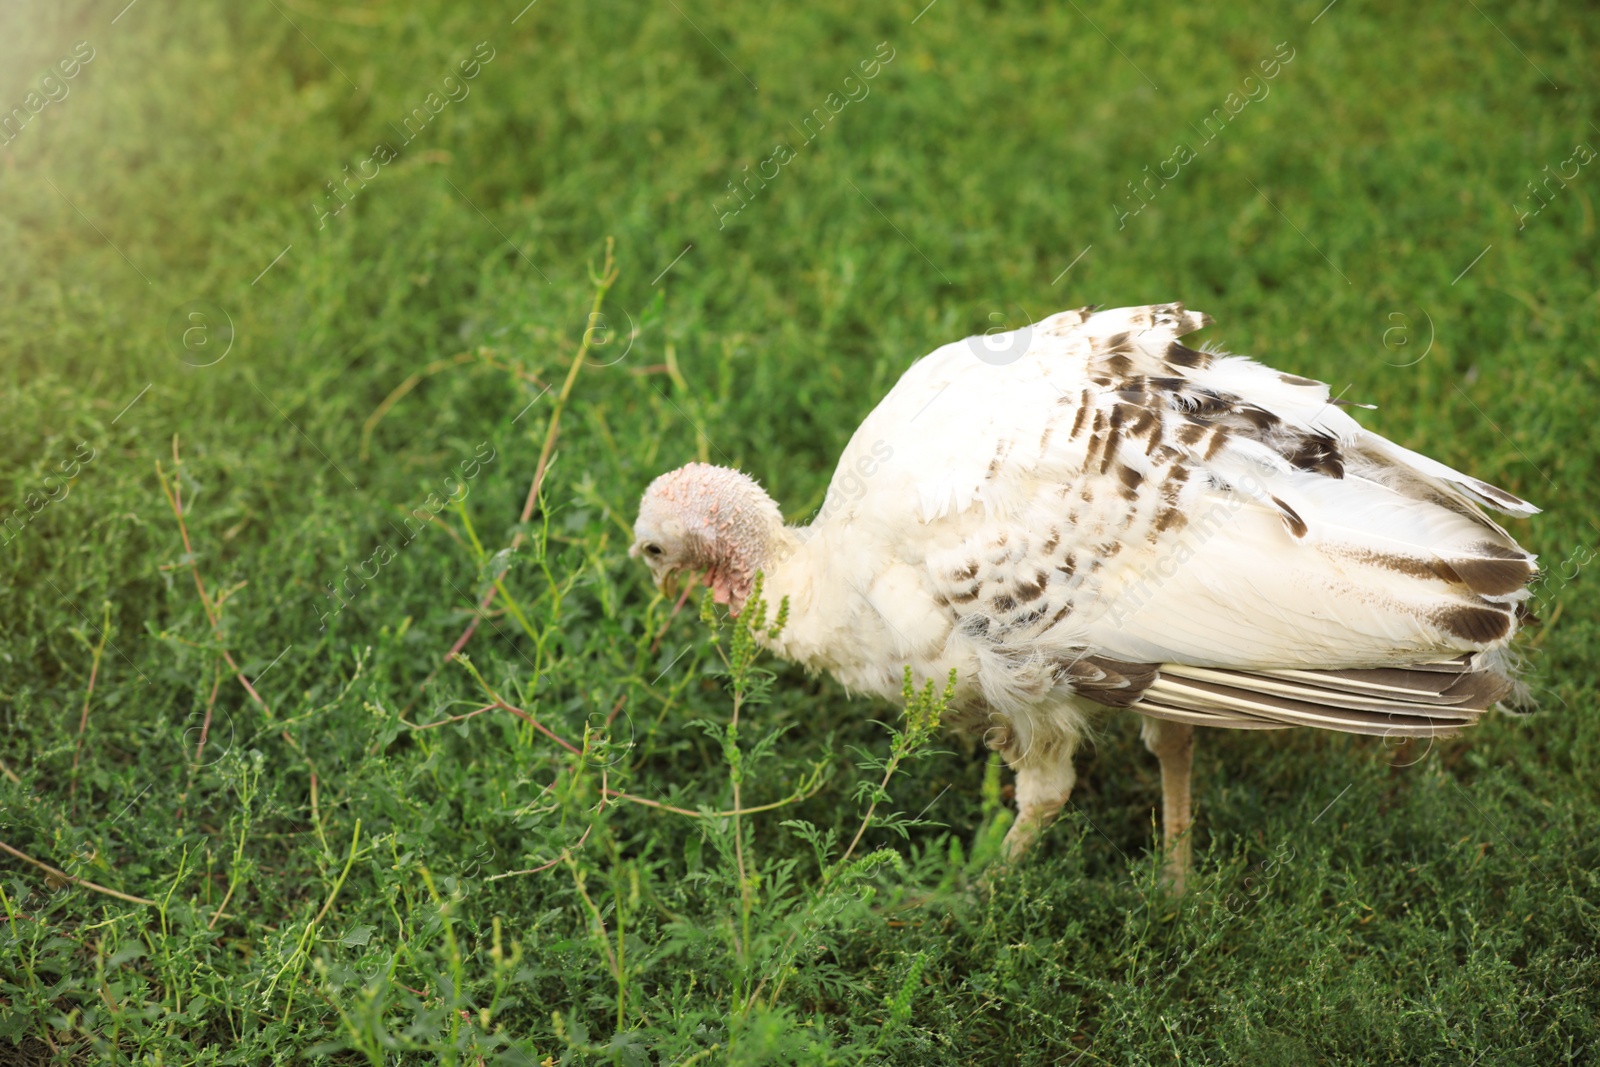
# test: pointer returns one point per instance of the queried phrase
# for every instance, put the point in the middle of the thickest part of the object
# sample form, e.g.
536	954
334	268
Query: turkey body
1087	515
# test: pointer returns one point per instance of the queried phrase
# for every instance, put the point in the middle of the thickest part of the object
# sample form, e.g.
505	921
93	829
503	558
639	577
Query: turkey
1087	516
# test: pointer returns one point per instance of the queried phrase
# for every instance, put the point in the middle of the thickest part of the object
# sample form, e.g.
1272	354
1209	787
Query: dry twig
74	879
83	719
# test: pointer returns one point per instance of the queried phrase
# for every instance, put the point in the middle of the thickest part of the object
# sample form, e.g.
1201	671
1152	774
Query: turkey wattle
1086	515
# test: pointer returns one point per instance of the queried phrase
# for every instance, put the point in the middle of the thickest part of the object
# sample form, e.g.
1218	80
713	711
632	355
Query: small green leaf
359	936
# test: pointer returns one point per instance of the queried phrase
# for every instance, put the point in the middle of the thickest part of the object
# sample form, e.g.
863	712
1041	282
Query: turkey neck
795	562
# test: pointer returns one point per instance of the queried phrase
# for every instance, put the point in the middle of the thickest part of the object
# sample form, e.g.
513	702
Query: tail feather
1431	699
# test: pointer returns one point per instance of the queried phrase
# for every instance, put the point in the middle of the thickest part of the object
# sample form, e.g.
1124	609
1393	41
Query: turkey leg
1173	745
1043	786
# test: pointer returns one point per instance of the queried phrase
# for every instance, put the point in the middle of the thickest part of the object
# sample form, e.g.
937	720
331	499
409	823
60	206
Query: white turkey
1087	515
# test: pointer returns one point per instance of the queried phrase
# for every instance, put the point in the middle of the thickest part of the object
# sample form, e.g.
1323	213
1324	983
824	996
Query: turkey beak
665	580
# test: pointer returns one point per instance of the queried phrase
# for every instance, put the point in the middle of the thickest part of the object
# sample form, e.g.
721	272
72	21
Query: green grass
322	875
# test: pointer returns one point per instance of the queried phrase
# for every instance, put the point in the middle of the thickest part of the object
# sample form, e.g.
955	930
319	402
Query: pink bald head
709	519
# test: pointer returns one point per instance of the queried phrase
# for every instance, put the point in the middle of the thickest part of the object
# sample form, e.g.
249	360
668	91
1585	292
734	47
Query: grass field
295	296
